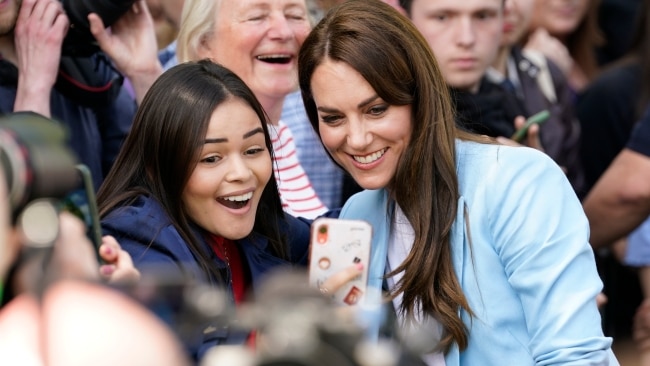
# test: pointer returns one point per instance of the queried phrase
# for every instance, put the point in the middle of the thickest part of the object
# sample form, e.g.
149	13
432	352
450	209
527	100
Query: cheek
189	199
199	187
301	32
403	136
263	170
331	137
495	26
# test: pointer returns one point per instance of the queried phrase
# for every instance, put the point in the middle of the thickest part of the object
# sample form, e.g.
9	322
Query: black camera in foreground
79	41
294	324
35	161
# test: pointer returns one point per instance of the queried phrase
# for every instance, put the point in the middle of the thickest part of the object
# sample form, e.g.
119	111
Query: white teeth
370	158
243	197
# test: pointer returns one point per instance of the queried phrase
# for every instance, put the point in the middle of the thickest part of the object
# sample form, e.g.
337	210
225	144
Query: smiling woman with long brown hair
483	244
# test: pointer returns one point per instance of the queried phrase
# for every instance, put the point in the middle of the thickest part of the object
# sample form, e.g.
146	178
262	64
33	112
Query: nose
358	135
508	6
465	32
238	170
279	27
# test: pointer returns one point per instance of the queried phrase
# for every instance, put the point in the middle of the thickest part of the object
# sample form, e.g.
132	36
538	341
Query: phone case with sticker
335	245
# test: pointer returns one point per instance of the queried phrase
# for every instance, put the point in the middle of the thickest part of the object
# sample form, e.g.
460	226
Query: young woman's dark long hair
163	147
389	52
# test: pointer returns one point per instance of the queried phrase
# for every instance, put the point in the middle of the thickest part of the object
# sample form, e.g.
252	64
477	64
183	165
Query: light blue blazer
528	273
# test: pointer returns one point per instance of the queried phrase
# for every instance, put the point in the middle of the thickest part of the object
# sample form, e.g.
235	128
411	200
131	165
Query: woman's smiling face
234	166
363	133
259	41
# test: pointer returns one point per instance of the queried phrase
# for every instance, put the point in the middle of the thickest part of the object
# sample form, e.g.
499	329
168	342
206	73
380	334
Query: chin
372	184
235	235
237	232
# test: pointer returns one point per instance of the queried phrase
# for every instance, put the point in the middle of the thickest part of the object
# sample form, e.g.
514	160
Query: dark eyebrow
215	141
253	132
223	139
360	105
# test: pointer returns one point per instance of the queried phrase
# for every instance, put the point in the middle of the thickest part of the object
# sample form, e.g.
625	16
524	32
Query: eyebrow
245	136
362	104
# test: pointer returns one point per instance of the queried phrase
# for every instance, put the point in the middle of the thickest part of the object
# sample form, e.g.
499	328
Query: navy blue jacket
144	230
96	134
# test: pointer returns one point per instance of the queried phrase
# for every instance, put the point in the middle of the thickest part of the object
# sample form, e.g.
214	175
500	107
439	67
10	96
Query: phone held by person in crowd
537	118
336	244
82	203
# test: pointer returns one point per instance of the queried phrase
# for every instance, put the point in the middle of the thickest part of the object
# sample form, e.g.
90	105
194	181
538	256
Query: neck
474	88
273	108
501	62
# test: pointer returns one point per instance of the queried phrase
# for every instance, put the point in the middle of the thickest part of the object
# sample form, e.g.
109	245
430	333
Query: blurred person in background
566	31
539	85
617	204
608	110
166	15
616	20
465	37
85	94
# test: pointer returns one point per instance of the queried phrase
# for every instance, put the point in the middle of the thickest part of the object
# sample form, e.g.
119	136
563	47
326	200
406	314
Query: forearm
620	200
33	96
142	81
611	219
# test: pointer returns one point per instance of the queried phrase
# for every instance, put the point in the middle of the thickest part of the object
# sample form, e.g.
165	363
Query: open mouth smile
367	159
275	58
236	202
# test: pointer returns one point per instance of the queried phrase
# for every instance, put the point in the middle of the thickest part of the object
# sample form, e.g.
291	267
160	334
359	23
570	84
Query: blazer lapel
372	206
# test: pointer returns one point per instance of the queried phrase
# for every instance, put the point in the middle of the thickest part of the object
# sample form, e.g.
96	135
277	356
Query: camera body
35	161
79	41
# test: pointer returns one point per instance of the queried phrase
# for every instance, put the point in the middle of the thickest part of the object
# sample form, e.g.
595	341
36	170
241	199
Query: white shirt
427	329
296	192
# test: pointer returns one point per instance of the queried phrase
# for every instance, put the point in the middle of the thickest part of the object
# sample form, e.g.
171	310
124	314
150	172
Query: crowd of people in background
217	131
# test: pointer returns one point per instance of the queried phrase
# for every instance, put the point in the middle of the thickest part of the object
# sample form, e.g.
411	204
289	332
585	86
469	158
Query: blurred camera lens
35	161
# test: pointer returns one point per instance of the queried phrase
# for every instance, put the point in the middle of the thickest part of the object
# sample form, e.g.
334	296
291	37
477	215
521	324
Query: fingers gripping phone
537	118
335	245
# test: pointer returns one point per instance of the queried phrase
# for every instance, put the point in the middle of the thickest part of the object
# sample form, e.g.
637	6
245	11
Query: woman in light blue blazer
482	246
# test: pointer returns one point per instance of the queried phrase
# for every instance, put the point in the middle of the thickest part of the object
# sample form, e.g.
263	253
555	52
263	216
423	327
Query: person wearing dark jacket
84	93
192	190
465	46
538	85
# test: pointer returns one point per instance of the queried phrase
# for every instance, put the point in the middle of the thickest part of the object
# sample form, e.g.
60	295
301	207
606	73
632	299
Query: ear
204	49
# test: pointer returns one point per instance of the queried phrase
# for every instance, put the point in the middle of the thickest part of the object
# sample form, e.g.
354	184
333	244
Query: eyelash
377	110
330	119
295	17
212	159
374	111
254	151
299	17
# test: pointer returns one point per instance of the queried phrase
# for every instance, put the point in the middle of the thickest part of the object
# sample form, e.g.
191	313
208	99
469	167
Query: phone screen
82	203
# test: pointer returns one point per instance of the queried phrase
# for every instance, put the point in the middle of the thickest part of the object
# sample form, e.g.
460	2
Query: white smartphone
336	244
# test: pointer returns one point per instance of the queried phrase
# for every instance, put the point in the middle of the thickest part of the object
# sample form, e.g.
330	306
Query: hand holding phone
537	118
335	246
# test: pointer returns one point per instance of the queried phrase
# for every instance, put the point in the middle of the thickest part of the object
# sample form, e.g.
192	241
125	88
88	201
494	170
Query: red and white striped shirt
297	194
